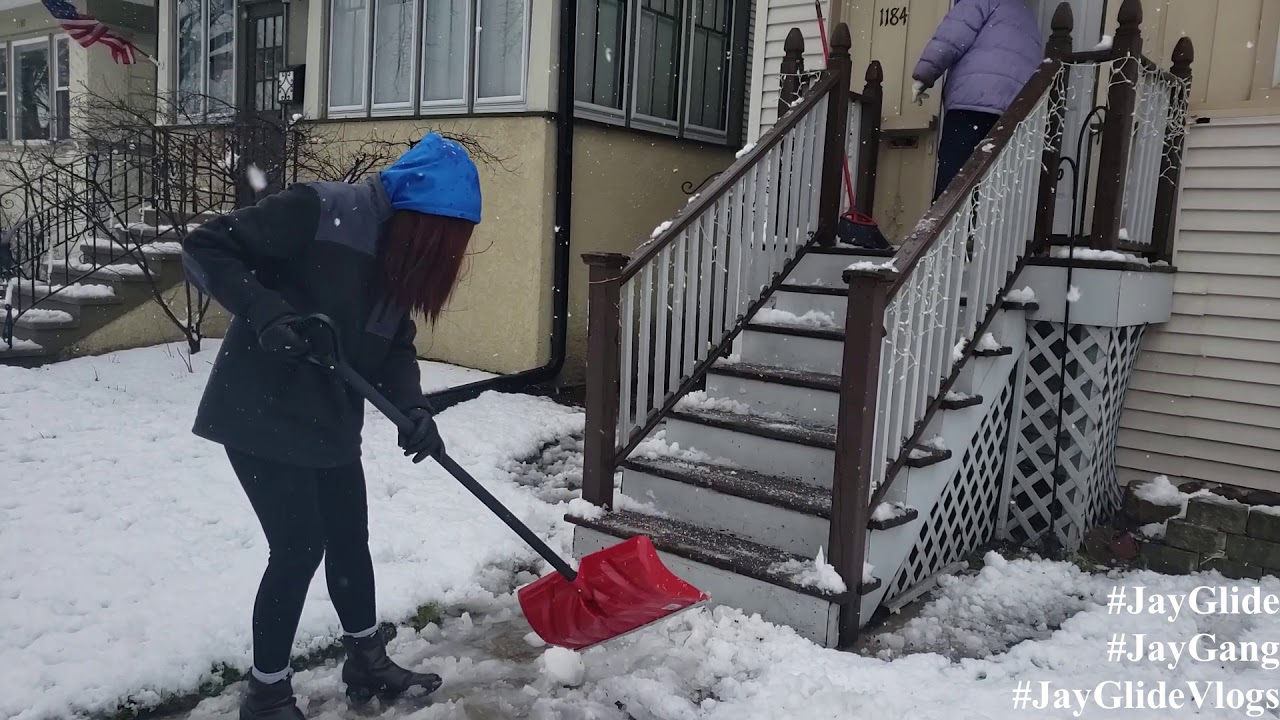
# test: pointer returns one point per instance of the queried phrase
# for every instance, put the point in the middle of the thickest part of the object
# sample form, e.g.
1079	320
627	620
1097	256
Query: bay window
406	56
206	58
35	89
665	65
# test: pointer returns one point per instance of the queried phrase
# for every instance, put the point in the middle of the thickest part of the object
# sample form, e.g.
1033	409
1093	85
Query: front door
262	125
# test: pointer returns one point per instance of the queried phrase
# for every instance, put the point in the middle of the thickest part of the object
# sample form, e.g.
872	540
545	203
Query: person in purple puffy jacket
989	49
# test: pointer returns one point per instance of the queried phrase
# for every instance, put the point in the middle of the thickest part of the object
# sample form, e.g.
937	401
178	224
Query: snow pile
1007	602
41	316
870	265
1073	294
745	149
699	400
656	446
20	344
1024	296
988	343
76	292
666	225
988	147
816	573
1062	253
1123	235
134	560
562	667
812	318
953	396
934	443
1160	491
885	512
1105	44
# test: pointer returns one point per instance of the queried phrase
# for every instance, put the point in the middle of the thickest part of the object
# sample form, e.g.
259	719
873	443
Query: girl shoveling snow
368	256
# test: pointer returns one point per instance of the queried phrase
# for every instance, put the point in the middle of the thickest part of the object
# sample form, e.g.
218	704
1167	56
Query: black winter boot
368	671
273	701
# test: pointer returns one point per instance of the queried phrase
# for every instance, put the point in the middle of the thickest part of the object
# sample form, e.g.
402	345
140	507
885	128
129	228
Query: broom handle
405	425
826	59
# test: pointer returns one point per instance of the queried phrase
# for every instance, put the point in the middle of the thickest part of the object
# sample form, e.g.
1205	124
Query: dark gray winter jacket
309	249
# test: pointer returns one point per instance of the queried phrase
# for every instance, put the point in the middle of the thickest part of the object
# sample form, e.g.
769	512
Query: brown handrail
728	178
929	230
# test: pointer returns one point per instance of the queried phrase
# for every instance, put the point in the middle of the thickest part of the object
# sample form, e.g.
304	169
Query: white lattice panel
1099	362
965	518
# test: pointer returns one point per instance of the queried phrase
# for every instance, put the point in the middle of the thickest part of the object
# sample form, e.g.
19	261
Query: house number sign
892	17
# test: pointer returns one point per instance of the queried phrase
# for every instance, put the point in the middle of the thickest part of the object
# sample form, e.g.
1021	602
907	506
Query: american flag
85	30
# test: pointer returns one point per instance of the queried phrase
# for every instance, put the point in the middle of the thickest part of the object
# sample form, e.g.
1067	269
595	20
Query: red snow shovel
615	591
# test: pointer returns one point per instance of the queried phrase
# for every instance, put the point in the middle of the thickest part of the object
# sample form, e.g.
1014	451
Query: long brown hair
420	259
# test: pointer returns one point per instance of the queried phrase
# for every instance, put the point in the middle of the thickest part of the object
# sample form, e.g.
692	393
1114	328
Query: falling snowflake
257	178
608	54
337	222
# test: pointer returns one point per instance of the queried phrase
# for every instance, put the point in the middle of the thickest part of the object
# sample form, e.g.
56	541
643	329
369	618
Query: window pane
444	55
501	52
656	61
4	94
393	52
600	42
32	99
347	53
190	57
221	61
709	77
64	63
64	114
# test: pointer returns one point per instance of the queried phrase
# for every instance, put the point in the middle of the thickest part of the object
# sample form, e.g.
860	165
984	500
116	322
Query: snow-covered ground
129	558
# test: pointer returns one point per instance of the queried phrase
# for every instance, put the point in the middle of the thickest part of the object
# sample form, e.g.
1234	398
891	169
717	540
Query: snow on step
810	319
75	292
38	317
1025	296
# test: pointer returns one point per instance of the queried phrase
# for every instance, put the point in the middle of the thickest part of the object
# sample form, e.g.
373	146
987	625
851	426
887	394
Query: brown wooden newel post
604	362
839	65
869	143
1117	129
792	69
855	436
1058	48
1171	165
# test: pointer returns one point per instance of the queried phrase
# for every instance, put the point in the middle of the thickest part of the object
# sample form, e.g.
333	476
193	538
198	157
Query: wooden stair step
717	549
898	519
923	457
779	492
998	352
850	250
797	331
778	375
785	429
961	403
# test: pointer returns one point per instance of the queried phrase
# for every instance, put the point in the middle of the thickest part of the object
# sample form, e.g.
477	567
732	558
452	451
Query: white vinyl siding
1204	401
774	19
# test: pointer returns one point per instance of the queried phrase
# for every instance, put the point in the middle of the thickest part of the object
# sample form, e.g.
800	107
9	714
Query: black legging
307	514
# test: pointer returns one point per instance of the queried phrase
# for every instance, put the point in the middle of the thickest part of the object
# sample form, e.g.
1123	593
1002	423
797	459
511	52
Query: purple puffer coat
990	49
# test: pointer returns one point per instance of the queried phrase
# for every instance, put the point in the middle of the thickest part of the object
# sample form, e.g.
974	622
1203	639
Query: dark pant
962	130
307	514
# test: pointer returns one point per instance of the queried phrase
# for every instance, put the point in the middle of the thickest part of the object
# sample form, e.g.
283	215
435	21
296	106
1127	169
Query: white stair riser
764	455
760	522
812	618
791	351
803	403
837	306
828	270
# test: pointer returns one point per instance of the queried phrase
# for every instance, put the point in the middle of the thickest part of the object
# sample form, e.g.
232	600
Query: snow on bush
812	318
816	573
988	343
1024	296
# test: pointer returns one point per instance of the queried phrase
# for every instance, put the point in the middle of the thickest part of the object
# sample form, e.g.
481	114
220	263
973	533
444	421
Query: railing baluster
678	310
804	184
796	225
692	278
644	361
723	246
738	253
706	273
662	306
627	374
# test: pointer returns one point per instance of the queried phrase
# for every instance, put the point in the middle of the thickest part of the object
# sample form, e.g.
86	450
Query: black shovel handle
405	425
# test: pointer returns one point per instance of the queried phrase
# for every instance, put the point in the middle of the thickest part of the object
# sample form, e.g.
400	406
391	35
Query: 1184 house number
890	17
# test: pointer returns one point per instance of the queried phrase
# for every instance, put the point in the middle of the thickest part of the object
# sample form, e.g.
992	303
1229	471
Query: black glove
423	440
282	337
295	338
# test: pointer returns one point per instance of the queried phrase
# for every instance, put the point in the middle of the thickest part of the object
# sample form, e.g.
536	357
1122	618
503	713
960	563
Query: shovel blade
618	590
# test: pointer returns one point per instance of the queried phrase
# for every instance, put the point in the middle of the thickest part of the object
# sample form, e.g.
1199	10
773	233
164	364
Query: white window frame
415	35
680	127
9	97
4	95
1275	74
417	106
204	115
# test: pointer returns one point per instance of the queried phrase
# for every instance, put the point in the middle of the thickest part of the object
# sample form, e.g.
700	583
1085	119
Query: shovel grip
404	424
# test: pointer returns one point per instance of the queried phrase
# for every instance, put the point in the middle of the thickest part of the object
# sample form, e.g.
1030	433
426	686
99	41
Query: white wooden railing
1153	115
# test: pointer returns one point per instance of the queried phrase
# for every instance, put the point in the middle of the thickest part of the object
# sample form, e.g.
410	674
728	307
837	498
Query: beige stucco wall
624	185
147	325
497	319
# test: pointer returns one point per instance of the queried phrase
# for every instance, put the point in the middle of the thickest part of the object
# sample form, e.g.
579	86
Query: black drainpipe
526	379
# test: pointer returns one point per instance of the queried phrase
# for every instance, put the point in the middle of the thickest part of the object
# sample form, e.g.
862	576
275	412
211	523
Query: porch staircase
808	431
101	277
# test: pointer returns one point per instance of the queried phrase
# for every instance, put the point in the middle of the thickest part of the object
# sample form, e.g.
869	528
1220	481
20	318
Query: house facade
659	89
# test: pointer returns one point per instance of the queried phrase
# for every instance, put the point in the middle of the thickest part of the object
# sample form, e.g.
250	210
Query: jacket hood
435	177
